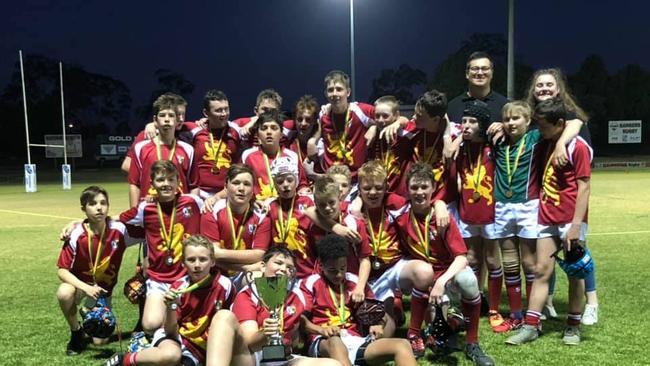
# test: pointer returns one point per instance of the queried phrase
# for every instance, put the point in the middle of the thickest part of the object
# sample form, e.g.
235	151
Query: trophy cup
272	292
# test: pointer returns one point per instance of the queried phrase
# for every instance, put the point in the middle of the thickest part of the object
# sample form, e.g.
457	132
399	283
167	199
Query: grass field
33	332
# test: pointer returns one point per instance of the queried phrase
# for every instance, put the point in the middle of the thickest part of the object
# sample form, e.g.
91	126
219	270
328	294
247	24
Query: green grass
32	330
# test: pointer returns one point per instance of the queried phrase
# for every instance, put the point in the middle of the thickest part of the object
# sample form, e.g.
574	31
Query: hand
246	130
94	291
370	135
325	109
442	215
203	123
347	233
355	208
329	331
438	290
270	327
376	331
67	230
572	234
389	133
150	131
262	206
450	153
208	204
358	295
171	297
560	157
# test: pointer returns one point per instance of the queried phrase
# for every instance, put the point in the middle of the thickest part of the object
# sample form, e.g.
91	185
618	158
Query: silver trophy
272	292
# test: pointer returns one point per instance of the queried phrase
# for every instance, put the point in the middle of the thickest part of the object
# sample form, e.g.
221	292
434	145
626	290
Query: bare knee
224	318
65	292
100	341
170	356
403	347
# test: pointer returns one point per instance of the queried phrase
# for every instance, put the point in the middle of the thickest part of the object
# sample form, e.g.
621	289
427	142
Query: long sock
495	282
129	359
532	318
551	284
472	312
419	304
513	287
573	319
530	278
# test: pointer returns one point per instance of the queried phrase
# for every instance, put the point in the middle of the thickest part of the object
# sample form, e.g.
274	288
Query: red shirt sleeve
66	256
135	170
131	153
209	226
364	245
454	240
262	238
581	158
243	307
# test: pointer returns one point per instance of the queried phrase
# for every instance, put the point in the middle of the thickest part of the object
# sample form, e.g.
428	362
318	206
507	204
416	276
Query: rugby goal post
30	169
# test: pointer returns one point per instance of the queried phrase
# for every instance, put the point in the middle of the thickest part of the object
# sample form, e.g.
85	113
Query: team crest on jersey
291	310
114	244
432	235
187	212
251	228
301	208
180	159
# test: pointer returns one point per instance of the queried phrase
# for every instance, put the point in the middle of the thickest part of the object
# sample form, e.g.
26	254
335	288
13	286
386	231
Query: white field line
620	233
38	214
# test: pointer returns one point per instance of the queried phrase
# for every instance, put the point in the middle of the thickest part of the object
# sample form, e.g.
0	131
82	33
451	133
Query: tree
398	83
168	81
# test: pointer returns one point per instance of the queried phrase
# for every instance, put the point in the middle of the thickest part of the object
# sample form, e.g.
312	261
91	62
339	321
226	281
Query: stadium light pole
511	50
352	79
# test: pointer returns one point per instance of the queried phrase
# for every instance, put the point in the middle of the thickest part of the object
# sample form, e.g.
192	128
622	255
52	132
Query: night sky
242	47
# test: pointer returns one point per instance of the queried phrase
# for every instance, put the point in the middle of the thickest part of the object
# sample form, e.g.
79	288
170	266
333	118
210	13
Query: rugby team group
358	207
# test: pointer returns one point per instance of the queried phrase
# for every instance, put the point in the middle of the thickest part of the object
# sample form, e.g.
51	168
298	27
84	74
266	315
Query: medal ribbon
298	150
93	264
285	229
514	168
216	152
477	176
343	144
167	235
267	166
340	305
200	283
416	227
429	157
236	238
376	240
159	149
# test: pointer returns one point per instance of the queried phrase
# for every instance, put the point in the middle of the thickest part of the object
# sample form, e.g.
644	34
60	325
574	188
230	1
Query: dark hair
90	193
278	249
269	94
163	166
213	95
551	110
476	56
332	247
270	116
237	169
480	111
434	102
337	75
422	171
168	101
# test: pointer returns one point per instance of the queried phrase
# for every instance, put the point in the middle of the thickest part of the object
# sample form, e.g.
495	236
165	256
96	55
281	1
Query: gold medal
376	265
509	193
169	260
476	196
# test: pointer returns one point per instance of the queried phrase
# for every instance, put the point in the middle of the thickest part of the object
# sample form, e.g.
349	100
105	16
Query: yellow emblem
220	155
549	184
295	240
338	146
105	271
485	186
266	190
196	331
176	246
389	162
333	320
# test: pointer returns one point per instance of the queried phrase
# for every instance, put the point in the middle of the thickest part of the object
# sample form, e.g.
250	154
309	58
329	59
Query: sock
472	313
573	319
530	278
419	304
513	287
129	359
495	282
532	318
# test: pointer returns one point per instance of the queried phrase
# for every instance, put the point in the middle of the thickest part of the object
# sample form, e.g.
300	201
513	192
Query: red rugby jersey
255	230
386	247
186	133
288	133
254	158
213	156
323	302
295	238
146	154
187	222
77	257
247	307
559	186
475	167
197	308
442	251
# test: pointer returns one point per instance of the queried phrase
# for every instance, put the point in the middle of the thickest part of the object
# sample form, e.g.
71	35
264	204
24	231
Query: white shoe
548	311
590	316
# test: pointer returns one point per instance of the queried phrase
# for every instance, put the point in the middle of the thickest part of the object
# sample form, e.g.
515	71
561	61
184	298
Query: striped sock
472	312
530	278
419	304
573	318
495	282
532	318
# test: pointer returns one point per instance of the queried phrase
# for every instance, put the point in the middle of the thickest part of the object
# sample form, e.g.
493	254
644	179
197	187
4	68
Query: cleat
77	342
527	333
138	342
417	344
571	335
495	319
474	352
115	360
548	312
455	319
590	316
508	325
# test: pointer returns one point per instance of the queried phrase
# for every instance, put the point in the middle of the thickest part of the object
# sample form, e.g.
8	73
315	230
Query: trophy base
274	353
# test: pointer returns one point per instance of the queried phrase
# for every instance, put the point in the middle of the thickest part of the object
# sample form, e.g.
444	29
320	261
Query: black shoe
115	360
485	306
474	352
77	342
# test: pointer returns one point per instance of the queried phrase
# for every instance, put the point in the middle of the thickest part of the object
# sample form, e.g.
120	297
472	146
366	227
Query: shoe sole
571	343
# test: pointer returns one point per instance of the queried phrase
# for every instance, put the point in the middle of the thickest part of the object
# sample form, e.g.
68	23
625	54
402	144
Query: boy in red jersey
241	234
287	212
166	222
307	134
89	263
563	202
446	252
216	148
334	331
165	146
267	100
259	158
192	302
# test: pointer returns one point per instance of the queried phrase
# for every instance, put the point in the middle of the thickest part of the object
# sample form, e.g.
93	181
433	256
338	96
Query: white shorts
160	335
383	286
516	219
486	231
157	288
351	342
560	231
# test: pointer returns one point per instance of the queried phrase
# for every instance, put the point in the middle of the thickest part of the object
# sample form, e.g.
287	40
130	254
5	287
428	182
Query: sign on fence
624	132
74	148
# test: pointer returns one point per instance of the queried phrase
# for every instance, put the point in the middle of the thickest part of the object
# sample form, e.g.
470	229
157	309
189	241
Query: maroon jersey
255	159
344	137
394	157
247	307
215	151
475	168
323	302
288	133
559	187
186	133
186	222
441	250
80	258
384	244
197	308
146	153
292	234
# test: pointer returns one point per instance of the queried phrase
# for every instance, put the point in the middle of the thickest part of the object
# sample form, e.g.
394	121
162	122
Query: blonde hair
392	102
198	240
372	169
517	106
340	169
